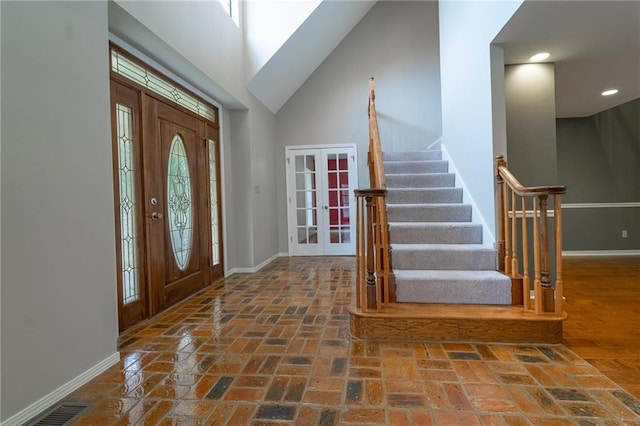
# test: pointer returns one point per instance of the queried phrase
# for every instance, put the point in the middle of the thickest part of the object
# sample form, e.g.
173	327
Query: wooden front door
175	210
168	209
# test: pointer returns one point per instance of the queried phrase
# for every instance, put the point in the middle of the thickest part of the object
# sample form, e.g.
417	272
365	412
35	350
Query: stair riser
424	196
436	234
453	213
412	156
477	260
437	180
395	167
488	293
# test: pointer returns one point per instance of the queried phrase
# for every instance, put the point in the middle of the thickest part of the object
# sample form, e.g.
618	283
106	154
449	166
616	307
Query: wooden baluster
514	237
557	215
507	228
500	221
536	259
526	291
391	280
384	230
379	253
371	264
545	270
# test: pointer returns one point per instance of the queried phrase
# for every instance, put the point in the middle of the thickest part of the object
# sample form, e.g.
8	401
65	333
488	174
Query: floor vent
60	415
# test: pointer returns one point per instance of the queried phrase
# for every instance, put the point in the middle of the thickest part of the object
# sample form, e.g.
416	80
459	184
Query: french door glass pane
128	207
179	202
306	197
338	198
213	196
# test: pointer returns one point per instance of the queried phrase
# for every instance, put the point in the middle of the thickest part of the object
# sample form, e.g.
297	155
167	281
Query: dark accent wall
531	129
599	162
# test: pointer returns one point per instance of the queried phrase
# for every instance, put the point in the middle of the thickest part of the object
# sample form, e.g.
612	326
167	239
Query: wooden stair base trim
456	323
517	298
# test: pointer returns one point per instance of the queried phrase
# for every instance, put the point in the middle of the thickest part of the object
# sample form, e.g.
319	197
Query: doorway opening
320	184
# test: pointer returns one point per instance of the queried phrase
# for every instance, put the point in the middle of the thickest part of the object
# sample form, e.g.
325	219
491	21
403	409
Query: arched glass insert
179	202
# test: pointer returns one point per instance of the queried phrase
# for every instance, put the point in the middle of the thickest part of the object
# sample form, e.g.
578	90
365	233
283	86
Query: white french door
320	199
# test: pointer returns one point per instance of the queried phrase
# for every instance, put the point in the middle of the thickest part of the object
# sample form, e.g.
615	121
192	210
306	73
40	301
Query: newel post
545	270
371	259
500	162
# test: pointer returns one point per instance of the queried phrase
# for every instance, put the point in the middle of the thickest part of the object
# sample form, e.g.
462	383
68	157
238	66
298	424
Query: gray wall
397	43
599	162
531	123
59	315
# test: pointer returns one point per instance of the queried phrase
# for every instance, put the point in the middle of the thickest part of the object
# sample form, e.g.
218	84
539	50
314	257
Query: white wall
466	31
397	43
268	24
59	314
201	32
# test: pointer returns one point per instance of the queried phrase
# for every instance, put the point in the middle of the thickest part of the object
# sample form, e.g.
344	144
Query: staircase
444	285
438	256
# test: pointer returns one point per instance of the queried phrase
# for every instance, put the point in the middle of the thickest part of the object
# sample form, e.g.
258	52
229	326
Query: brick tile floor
274	348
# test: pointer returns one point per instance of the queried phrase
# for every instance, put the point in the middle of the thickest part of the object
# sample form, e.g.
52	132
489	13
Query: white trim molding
581	206
48	400
600	253
255	268
634	204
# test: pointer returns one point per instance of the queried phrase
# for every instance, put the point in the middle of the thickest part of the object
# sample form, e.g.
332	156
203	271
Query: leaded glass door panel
132	291
320	184
176	216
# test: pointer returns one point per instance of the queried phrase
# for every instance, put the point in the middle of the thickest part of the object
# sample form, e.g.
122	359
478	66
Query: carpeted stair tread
435	232
412	155
451	286
427	166
420	180
423	195
440	212
474	257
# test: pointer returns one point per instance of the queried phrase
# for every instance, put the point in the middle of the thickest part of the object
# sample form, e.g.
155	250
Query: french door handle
326	207
156	216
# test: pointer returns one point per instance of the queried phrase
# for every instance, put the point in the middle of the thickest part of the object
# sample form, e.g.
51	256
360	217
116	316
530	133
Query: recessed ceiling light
540	56
610	92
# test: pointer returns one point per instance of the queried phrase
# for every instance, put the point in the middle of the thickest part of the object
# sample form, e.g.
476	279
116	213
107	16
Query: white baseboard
599	253
256	268
488	237
64	390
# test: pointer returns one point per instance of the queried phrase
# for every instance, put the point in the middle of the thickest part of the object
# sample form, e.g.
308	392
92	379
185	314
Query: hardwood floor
603	303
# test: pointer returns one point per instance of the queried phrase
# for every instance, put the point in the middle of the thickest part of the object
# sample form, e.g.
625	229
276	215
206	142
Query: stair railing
548	290
373	252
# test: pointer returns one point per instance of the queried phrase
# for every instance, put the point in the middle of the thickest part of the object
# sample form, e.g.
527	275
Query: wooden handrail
374	279
522	190
547	288
376	165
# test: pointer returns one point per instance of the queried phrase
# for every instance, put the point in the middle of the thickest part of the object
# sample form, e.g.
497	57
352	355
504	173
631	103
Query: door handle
156	216
326	207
